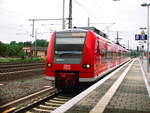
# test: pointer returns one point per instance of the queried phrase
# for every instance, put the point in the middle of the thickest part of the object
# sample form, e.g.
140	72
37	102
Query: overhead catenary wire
83	7
97	4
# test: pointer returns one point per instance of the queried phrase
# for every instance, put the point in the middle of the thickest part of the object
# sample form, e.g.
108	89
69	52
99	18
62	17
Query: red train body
78	56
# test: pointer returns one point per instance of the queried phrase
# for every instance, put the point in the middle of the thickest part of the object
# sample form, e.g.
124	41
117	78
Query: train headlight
87	66
49	65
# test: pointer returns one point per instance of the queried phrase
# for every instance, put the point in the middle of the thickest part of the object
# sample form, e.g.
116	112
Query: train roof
96	31
86	29
74	30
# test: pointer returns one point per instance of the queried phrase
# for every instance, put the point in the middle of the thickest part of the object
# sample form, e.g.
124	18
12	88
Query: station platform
131	96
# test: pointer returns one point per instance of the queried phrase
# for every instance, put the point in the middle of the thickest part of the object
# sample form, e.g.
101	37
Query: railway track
47	105
19	63
25	102
43	105
5	65
19	67
11	71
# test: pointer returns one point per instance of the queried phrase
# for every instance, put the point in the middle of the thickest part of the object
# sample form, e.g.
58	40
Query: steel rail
12	106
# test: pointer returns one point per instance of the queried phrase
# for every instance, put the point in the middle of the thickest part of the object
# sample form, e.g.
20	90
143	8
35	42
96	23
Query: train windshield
69	47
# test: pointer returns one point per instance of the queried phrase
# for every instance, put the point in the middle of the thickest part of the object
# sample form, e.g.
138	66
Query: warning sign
142	33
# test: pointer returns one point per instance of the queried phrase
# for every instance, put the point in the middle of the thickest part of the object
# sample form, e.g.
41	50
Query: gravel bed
16	88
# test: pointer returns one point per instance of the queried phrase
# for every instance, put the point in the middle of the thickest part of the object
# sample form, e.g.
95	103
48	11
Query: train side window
116	54
119	54
104	55
112	55
97	48
109	55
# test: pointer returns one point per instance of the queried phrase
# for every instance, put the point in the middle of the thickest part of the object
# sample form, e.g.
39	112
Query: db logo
67	67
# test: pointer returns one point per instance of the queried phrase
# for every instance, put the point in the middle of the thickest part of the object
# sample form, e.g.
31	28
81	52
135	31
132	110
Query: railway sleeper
41	110
64	97
47	107
61	99
53	104
55	101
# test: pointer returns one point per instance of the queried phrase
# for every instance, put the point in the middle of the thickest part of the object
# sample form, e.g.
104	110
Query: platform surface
131	96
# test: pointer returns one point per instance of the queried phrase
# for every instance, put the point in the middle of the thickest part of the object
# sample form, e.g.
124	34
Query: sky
124	17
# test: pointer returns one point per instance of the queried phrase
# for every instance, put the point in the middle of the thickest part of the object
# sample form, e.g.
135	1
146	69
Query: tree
27	44
13	50
41	43
20	43
3	49
13	43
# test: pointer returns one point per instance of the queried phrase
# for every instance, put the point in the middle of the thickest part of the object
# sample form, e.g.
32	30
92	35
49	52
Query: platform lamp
147	5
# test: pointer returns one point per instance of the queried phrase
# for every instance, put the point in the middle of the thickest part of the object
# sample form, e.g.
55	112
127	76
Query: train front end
69	58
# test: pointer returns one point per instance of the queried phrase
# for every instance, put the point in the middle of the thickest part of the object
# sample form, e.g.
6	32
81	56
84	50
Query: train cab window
68	47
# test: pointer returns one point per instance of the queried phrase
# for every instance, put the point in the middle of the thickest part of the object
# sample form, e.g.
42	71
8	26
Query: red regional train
81	56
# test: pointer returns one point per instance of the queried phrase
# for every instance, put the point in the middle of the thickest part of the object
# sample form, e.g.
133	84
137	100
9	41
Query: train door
97	57
114	56
109	56
103	60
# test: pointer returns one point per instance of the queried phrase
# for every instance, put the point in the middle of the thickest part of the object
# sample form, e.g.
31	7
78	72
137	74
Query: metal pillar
70	15
88	22
63	16
147	5
148	38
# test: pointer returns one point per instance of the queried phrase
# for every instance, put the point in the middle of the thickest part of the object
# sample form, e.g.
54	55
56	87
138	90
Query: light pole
63	16
35	46
70	15
147	5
